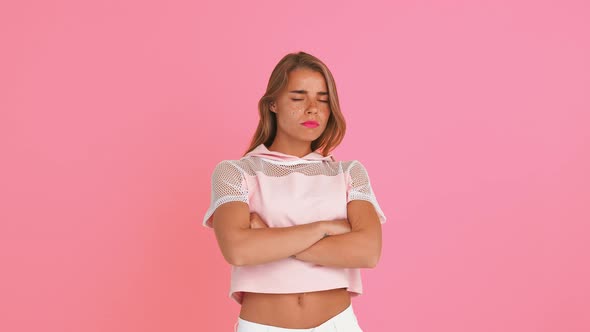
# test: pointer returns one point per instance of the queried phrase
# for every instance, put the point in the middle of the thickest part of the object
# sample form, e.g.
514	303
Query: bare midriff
294	310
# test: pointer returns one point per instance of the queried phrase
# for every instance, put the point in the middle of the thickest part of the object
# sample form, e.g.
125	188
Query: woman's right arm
242	245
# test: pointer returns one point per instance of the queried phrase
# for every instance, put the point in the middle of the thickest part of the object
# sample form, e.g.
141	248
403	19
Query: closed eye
323	101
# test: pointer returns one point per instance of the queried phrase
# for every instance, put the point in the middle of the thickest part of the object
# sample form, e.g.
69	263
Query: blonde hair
267	125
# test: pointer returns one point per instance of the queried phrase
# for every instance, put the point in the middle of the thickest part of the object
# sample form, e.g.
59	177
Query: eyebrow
305	91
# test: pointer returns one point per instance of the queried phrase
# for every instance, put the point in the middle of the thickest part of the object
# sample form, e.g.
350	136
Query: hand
256	221
336	227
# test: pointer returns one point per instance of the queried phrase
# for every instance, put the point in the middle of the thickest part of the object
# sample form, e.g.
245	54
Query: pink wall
472	119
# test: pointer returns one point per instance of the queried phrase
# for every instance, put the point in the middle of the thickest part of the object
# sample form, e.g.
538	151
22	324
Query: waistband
344	317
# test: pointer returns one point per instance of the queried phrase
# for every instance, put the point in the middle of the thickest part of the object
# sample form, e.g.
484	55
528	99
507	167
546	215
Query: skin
245	239
310	102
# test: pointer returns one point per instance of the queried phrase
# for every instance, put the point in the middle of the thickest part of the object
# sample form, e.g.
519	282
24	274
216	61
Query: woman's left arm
360	248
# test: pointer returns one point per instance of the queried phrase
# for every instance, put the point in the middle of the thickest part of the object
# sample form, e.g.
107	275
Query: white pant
345	321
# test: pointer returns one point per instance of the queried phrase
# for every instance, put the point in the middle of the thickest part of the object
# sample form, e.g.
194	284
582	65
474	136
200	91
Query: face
304	99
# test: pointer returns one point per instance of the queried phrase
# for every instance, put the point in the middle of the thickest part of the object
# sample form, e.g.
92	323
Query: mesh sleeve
228	184
359	188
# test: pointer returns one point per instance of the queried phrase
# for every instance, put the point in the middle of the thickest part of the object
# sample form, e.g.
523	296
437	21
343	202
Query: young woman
295	224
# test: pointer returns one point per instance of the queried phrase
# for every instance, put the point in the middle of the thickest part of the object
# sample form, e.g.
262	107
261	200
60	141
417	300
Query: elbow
239	258
237	254
373	259
374	255
232	261
372	262
236	263
232	257
235	260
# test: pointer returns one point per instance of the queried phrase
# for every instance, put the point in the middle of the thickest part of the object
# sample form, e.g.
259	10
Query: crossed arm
361	247
242	245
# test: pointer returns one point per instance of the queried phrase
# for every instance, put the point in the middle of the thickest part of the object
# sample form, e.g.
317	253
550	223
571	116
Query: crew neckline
263	152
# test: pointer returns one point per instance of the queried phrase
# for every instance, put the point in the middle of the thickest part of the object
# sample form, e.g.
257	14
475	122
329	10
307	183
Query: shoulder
353	165
355	171
231	167
227	163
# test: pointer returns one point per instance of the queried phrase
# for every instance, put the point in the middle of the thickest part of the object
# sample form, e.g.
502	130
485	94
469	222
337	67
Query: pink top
286	190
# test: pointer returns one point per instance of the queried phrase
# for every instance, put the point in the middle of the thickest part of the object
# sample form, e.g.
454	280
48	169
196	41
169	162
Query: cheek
290	115
294	112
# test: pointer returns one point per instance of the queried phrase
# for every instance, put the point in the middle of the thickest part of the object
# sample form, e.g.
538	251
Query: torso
295	310
323	184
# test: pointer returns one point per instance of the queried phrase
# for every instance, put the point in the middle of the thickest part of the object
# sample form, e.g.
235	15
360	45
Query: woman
295	224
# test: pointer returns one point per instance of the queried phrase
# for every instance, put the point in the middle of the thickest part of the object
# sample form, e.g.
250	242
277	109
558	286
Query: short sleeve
228	184
359	187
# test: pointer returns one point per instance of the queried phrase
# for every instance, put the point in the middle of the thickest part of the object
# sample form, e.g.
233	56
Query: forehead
306	77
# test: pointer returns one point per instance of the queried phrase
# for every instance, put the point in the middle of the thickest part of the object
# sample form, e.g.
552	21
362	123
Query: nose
312	108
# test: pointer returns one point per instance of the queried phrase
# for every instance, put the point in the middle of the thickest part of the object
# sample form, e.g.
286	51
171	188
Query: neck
298	149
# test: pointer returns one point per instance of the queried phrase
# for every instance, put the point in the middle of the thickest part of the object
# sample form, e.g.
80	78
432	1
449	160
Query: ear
273	107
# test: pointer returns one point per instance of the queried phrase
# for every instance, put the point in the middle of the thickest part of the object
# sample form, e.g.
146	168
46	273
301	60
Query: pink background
471	118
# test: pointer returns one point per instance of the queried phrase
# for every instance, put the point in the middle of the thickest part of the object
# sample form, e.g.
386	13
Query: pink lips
310	124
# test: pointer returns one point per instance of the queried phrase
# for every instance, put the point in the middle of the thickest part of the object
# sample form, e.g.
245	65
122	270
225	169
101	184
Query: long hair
267	125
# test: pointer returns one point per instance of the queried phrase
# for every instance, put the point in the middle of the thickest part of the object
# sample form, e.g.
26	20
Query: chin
310	139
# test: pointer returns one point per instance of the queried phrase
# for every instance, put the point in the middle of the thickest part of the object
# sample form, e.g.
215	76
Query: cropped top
286	190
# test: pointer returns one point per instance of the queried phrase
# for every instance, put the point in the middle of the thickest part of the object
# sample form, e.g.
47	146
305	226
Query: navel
300	298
